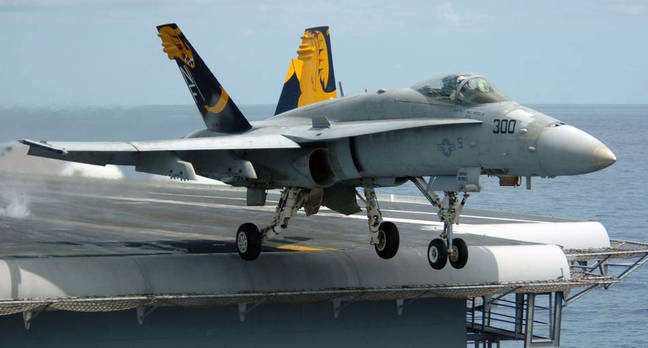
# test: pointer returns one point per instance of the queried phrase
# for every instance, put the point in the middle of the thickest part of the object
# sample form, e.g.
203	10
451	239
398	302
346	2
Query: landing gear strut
447	248
249	238
384	234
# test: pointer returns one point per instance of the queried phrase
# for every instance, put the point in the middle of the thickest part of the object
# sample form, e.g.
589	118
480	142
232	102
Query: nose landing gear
447	248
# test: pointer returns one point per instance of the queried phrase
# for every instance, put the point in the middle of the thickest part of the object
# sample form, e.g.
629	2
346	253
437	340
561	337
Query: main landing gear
384	234
447	248
249	238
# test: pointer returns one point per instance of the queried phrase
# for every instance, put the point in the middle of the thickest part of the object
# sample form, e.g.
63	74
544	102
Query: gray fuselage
509	140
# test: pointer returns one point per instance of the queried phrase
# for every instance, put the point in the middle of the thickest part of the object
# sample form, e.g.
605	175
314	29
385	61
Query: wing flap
356	128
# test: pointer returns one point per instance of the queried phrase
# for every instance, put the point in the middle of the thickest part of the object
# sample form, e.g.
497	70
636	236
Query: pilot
449	86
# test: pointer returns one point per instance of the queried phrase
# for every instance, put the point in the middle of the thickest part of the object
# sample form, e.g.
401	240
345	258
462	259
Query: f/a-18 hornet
320	149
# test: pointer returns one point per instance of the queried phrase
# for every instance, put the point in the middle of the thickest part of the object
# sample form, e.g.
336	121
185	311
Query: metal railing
532	318
535	317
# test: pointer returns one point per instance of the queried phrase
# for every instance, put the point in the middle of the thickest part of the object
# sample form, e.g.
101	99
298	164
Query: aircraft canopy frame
461	88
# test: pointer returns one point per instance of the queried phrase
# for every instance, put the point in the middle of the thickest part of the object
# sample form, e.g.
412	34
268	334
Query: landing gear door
466	180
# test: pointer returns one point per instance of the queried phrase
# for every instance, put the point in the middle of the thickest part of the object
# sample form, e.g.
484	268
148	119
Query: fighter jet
322	150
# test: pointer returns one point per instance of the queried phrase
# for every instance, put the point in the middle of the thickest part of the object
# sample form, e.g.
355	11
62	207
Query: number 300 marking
504	126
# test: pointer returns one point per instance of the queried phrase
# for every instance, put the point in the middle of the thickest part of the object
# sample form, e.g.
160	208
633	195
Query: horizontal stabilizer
356	128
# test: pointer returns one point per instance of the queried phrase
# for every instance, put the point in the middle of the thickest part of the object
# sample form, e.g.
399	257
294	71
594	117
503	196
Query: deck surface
76	216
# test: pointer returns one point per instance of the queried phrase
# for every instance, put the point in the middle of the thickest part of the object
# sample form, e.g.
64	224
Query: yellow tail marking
296	247
174	47
220	105
313	53
296	68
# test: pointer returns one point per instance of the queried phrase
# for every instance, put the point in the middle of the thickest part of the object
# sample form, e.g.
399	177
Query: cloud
92	171
449	15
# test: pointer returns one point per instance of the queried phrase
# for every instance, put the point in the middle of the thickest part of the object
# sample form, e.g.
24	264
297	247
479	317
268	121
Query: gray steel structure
453	128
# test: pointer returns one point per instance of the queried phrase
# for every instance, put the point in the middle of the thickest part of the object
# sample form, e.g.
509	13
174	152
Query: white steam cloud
92	171
14	205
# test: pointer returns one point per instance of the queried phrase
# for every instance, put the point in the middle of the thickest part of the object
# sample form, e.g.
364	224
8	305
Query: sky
100	52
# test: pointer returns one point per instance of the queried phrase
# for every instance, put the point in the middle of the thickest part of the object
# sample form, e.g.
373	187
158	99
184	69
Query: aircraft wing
125	153
322	130
159	157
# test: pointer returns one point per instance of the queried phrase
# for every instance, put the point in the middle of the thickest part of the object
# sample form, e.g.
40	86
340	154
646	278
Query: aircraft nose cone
603	157
566	150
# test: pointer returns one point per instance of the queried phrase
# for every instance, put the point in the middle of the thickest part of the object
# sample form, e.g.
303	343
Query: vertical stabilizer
218	110
310	77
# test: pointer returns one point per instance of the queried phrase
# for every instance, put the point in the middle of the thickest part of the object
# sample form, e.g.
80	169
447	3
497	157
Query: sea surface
614	196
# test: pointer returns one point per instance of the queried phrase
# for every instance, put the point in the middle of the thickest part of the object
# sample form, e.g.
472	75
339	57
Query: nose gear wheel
437	253
456	250
459	254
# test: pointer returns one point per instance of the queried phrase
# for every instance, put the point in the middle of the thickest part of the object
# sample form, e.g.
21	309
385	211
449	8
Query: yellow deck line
296	247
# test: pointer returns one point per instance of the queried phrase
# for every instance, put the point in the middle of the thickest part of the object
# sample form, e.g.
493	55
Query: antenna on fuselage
341	90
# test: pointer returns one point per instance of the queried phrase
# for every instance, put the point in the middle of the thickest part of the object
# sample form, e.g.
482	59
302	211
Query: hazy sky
69	52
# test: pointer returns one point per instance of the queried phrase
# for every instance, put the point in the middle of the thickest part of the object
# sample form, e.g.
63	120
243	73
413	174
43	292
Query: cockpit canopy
463	88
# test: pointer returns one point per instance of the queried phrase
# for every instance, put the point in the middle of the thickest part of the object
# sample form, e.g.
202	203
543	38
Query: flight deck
74	244
71	216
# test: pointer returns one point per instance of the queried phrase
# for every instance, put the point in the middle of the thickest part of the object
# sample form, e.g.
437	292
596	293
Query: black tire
437	253
460	253
248	241
388	240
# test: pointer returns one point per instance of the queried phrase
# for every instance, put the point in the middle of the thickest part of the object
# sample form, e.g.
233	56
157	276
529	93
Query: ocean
614	318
